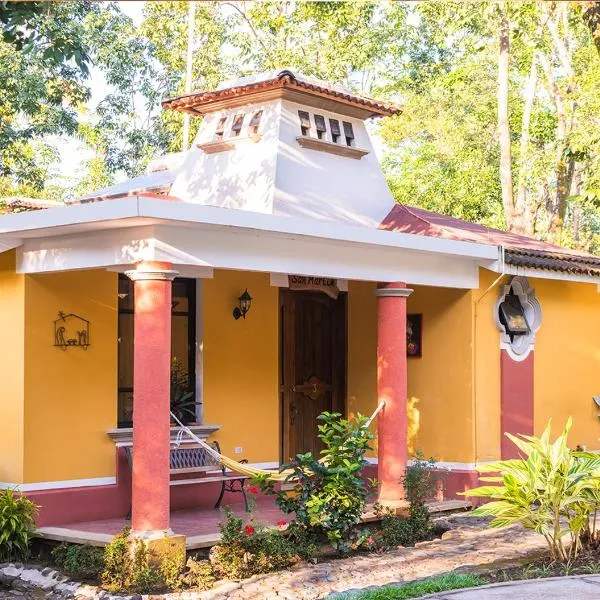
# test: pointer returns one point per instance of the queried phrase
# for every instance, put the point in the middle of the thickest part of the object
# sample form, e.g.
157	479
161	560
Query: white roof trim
139	210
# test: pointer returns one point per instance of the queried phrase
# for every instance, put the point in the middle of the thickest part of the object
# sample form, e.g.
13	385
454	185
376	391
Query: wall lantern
244	302
512	316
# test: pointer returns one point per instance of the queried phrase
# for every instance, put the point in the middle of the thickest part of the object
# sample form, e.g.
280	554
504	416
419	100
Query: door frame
340	400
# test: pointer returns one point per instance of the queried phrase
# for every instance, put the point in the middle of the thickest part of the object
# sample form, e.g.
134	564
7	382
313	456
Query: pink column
392	389
151	396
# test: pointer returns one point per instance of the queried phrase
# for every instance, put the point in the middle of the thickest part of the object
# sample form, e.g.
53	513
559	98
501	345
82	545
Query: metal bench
188	459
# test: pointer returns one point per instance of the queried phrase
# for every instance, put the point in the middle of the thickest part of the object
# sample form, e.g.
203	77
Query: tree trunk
591	16
529	100
503	124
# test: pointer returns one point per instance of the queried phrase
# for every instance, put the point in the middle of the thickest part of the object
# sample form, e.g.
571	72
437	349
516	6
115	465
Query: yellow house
458	332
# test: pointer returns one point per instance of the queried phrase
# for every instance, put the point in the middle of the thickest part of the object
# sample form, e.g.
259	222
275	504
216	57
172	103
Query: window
304	122
255	122
220	128
183	344
238	121
334	126
320	126
348	133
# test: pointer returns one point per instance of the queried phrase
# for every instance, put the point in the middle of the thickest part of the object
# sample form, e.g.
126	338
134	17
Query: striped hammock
244	468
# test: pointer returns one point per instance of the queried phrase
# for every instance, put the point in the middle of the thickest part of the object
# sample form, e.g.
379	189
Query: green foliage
81	562
198	575
17	521
329	494
183	404
416	589
117	562
419	485
552	491
130	567
250	549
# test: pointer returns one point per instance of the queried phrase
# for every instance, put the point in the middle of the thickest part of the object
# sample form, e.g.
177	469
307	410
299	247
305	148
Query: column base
400	508
160	545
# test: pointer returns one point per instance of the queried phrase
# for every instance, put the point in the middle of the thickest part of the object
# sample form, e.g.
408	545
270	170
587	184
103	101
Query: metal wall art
71	330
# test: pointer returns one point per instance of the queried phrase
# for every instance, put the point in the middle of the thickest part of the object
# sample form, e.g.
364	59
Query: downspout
476	302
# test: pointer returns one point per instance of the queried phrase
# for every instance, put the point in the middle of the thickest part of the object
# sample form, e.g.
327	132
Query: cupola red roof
287	85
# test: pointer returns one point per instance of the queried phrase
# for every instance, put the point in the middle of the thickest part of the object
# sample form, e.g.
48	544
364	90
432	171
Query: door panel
313	355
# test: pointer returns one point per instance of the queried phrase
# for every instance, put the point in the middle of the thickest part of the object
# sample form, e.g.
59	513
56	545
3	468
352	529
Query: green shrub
117	563
198	575
552	490
329	495
419	485
130	567
17	522
246	550
79	561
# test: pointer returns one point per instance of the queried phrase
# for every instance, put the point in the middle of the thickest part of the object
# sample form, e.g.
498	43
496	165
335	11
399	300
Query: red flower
249	529
370	541
252	489
281	523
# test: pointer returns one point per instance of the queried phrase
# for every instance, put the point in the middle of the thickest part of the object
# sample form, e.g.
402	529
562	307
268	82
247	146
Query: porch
200	526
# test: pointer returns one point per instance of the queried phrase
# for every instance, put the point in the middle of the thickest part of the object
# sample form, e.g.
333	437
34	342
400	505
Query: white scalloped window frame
520	347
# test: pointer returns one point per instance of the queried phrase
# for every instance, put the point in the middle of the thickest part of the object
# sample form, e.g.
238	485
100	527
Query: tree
43	66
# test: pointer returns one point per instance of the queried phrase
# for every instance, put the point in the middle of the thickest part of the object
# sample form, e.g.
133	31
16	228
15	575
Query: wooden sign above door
306	283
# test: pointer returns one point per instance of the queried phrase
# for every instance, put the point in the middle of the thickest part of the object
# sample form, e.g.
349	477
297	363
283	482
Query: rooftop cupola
284	144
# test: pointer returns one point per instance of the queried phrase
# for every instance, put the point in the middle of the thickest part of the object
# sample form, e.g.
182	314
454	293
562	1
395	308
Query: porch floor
200	526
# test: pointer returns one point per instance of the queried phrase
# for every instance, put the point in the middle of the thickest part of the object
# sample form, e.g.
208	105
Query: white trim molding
521	345
58	485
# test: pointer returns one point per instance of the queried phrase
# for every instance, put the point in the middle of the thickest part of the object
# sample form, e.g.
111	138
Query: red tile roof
196	102
519	250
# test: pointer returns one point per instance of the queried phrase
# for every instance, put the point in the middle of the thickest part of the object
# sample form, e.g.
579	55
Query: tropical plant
183	405
17	521
249	549
329	495
552	490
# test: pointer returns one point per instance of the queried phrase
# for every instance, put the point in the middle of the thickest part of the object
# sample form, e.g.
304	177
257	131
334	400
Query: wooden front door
313	366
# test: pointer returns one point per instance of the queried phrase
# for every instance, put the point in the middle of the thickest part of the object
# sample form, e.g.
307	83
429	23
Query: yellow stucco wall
12	325
440	382
487	367
567	359
241	361
70	396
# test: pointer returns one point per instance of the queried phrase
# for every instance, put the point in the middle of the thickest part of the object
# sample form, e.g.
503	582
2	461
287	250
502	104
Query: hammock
243	468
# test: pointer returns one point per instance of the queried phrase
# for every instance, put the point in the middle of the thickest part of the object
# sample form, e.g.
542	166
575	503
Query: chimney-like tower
284	144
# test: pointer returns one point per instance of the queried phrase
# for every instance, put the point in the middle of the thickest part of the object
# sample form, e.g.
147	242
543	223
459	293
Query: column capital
152	271
390	290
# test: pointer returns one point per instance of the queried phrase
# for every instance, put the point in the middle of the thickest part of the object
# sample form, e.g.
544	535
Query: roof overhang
117	233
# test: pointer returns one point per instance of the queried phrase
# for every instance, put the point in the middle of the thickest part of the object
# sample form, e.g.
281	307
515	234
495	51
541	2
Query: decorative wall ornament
519	346
71	330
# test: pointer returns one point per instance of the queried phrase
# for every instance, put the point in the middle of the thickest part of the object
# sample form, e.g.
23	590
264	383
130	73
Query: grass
416	589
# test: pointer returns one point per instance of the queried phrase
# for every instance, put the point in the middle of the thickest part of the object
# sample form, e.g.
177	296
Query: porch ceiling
199	238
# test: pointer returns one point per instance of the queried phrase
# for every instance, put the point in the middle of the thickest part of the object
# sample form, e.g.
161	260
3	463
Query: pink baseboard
62	506
71	505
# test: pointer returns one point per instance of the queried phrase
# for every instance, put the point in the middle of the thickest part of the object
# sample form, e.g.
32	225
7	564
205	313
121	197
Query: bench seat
190	458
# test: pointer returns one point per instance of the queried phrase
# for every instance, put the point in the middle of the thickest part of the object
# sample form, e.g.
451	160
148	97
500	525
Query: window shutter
304	119
237	124
320	123
255	121
334	124
221	127
348	131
